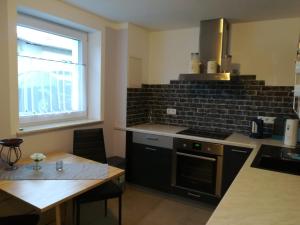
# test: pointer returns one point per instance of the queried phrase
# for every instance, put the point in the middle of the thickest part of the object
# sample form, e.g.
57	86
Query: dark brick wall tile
214	105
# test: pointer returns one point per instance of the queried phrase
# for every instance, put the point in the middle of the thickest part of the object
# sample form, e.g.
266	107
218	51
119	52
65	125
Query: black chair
89	143
20	220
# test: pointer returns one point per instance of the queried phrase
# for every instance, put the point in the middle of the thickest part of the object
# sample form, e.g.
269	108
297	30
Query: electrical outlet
267	120
171	111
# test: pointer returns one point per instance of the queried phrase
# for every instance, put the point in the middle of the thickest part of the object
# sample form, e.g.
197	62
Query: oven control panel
198	146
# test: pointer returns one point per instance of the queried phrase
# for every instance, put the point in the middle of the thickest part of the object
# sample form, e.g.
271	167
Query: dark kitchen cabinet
234	159
149	165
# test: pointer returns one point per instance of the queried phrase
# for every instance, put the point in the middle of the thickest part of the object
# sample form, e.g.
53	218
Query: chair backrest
89	144
20	220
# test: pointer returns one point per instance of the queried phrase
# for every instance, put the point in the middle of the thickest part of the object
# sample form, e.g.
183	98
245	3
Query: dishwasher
149	161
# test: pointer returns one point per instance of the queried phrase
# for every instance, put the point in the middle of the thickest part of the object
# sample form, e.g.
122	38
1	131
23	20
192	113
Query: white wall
119	138
267	49
61	139
170	53
4	78
138	55
115	89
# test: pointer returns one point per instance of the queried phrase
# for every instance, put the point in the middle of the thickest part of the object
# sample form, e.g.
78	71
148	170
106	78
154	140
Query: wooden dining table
46	194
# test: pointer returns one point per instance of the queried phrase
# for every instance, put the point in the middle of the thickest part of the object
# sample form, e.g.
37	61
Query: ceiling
172	14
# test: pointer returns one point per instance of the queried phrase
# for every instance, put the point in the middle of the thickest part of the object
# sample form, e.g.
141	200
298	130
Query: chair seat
116	161
20	220
104	191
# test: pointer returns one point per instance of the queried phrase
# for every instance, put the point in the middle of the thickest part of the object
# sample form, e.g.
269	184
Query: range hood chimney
213	43
213	46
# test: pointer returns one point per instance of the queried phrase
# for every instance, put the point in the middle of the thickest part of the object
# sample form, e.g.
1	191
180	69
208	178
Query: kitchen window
52	73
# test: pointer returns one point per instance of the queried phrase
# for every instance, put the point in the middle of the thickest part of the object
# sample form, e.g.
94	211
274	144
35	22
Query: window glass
51	80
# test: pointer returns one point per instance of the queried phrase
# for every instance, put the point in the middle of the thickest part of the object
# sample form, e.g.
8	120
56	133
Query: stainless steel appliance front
197	166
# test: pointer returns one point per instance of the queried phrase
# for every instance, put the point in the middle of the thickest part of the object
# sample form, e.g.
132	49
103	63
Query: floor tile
143	206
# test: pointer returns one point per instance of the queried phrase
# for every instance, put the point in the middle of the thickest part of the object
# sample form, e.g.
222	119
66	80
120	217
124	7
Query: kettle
257	128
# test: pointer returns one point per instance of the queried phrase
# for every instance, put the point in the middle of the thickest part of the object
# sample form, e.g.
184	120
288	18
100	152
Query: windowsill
56	126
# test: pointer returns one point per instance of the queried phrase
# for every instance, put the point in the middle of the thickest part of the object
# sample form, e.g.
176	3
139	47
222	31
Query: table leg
58	215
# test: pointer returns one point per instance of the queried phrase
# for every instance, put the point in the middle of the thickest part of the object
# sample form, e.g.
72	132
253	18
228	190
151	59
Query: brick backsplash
137	107
212	105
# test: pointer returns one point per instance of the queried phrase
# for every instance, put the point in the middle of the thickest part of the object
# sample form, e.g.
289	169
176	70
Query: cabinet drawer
153	140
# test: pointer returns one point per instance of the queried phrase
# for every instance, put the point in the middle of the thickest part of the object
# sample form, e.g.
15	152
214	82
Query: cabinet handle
239	151
152	139
193	195
150	149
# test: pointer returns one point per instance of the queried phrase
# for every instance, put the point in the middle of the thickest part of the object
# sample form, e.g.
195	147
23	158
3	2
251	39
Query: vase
36	165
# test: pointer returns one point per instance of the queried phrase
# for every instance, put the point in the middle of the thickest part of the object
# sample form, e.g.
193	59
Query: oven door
197	172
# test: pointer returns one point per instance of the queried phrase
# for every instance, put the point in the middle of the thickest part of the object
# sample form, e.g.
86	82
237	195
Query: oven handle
197	156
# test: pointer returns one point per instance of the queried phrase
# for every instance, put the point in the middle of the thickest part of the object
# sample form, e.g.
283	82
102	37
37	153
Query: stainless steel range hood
213	45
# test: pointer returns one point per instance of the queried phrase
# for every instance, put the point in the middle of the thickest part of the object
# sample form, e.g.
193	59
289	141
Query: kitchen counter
171	131
260	197
158	129
256	196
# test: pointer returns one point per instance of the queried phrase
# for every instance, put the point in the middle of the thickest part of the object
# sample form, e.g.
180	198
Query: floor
147	207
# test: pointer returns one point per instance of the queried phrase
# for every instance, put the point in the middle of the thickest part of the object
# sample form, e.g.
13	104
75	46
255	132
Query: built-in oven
197	166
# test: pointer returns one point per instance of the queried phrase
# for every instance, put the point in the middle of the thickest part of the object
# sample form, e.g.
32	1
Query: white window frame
50	27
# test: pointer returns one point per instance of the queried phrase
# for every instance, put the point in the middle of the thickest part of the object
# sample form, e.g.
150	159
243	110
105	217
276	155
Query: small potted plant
37	158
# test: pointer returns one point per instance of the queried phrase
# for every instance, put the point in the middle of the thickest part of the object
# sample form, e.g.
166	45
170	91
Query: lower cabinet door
150	166
234	159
